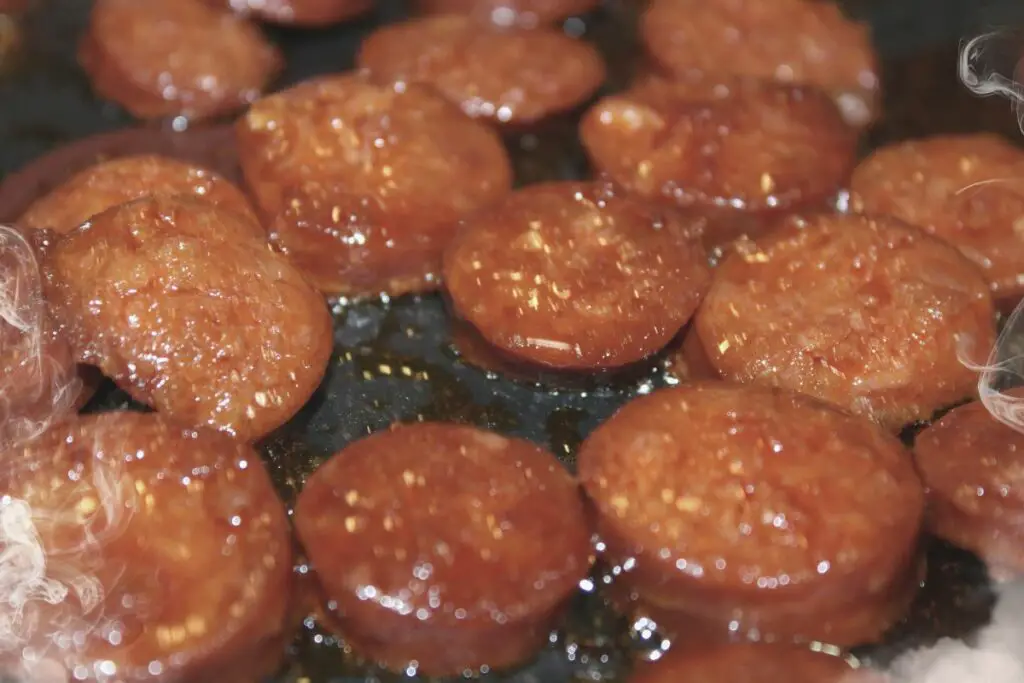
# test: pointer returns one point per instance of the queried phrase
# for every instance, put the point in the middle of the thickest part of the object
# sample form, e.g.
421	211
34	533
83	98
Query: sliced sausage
299	12
118	181
364	185
507	75
740	150
38	383
163	58
573	276
176	301
141	551
749	663
726	503
445	546
966	189
793	41
523	13
867	313
208	147
973	466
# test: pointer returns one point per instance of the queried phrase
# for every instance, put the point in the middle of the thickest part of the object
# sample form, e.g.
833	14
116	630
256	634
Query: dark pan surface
393	360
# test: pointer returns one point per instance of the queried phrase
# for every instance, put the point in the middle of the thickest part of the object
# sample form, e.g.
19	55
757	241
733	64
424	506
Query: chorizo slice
750	663
726	499
505	75
118	181
973	466
165	58
574	276
167	554
210	147
739	150
305	13
966	189
38	383
867	313
792	41
444	545
364	185
174	300
522	13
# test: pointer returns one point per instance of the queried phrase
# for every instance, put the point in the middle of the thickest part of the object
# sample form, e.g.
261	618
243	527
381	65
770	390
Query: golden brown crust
506	75
725	498
575	276
973	466
121	180
163	58
445	545
176	535
363	185
867	313
965	189
176	301
793	41
740	151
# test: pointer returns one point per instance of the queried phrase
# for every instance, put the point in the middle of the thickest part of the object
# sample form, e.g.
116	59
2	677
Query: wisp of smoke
991	65
51	598
36	388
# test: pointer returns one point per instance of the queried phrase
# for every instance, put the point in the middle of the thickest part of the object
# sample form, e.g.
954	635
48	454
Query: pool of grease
394	360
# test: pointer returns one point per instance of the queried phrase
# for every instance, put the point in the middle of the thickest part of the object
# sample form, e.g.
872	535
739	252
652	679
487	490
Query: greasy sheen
163	58
724	503
791	41
444	544
973	466
866	313
110	183
509	75
575	276
171	543
965	189
722	143
176	301
365	184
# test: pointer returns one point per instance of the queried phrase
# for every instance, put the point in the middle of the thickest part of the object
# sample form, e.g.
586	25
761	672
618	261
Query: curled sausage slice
299	12
364	185
176	301
573	276
726	502
444	545
793	41
973	467
38	384
135	550
966	189
118	181
162	58
524	13
867	313
750	663
737	147
508	75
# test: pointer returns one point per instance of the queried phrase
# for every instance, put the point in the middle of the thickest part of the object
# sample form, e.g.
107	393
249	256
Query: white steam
991	65
36	388
51	595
